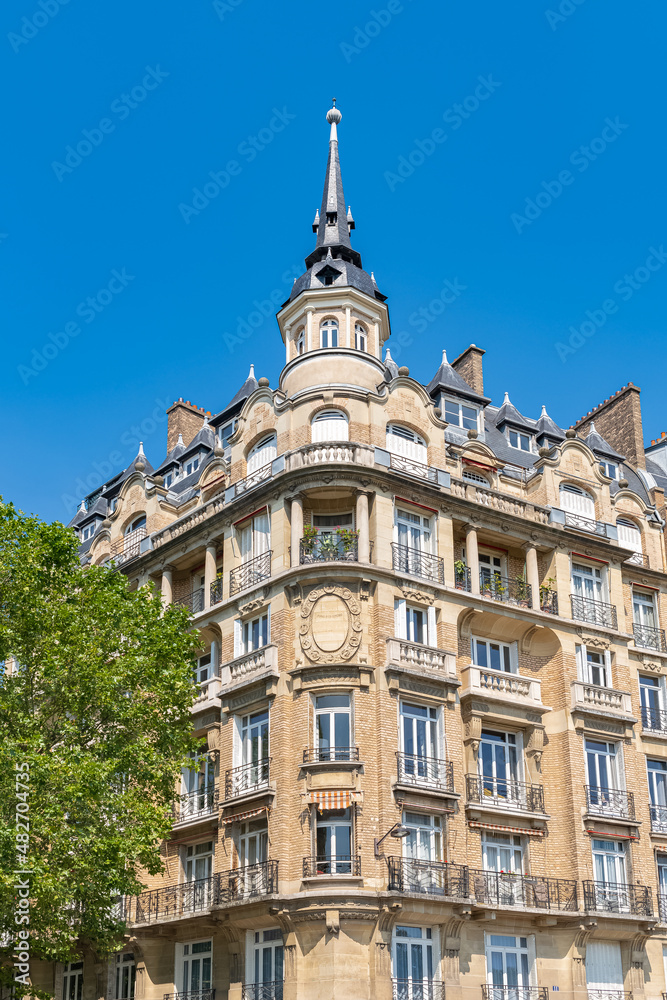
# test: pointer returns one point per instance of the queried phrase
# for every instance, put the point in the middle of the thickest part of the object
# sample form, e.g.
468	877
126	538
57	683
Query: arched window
403	441
300	341
629	534
360	337
577	500
330	425
329	333
475	477
263	452
137	524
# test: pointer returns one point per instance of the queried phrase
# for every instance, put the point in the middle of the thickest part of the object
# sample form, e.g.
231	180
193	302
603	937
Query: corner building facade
432	698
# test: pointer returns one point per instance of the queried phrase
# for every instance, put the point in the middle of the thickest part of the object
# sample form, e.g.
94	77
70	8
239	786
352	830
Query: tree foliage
96	702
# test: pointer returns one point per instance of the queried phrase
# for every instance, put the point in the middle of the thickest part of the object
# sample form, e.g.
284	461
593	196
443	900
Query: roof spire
251	373
444	357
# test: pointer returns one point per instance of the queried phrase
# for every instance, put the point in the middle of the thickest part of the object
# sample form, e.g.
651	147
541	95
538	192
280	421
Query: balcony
548	601
593	612
417	563
247	779
408	466
331	755
510	591
504	793
610	803
534	891
613	995
415	657
250	573
514	992
194	601
250	482
654	720
462	577
330	864
662	912
427	773
618	897
199	804
216	591
262	991
251	667
191	995
658	819
436	878
129	546
649	638
600	700
253	880
329	547
417	989
502	686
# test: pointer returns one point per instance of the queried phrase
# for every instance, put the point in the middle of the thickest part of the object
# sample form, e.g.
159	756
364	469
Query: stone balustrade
603	699
499	684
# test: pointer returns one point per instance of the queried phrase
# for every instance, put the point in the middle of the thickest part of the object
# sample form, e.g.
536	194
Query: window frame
329	331
329	416
520	435
509	655
360	333
450	402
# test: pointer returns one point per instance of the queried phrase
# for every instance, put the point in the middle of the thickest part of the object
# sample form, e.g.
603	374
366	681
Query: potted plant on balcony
308	538
348	539
460	574
547	592
522	591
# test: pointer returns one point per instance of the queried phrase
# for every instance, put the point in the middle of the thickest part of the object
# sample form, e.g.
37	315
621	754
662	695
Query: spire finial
444	357
333	117
251	373
507	398
141	449
181	441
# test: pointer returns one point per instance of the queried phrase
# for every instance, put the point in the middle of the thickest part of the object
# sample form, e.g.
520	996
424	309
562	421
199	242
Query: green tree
95	701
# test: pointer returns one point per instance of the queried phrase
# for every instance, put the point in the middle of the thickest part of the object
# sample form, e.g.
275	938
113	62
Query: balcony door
576	500
609	873
662	886
502	853
413	530
657	792
195	967
254	751
332	726
498	767
421	848
198	785
588	582
267	964
253	852
333	840
651	695
421	751
604	775
413	963
594	667
490	572
198	870
254	536
604	968
262	454
507	966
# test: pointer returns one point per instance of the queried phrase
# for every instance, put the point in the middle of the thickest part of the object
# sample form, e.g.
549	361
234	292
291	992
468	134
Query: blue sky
516	150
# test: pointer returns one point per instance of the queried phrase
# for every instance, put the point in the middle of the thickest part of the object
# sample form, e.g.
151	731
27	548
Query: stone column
472	558
210	569
364	545
297	528
532	574
166	585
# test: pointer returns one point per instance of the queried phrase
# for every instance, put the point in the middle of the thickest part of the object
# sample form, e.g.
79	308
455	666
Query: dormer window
224	434
609	469
88	531
168	479
461	414
332	218
192	465
519	440
360	337
474	477
329	333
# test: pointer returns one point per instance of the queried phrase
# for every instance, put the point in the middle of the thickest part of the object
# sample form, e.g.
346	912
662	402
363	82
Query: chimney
469	366
619	421
183	418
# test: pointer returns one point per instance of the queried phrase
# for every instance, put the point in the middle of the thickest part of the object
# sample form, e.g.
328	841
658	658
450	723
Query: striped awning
527	832
248	814
611	835
333	800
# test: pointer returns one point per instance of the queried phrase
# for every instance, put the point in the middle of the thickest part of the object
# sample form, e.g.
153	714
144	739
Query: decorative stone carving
416	595
596	641
330	628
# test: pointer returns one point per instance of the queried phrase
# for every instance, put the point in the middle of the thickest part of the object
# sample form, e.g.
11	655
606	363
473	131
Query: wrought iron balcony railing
490	992
658	819
437	878
328	548
425	772
193	601
618	897
593	612
129	546
503	588
648	637
534	891
505	793
247	778
417	989
462	578
253	880
201	802
216	591
208	994
581	523
611	995
610	802
417	563
252	480
654	719
249	573
548	601
328	755
262	991
332	864
399	463
662	913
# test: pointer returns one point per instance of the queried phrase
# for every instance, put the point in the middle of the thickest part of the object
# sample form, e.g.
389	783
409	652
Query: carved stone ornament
330	627
595	641
411	594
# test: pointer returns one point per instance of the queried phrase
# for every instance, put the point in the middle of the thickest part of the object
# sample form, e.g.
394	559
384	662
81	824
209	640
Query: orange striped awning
506	829
248	814
333	800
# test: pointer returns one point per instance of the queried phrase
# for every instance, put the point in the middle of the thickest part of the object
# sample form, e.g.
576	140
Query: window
251	752
199	861
415	624
73	981
254	536
403	441
170	477
198	784
413	530
490	571
421	740
192	465
333	726
360	337
253	843
333	838
203	670
604	968
126	976
629	534
498	768
329	333
643	608
267	963
224	434
609	869
519	440
652	698
461	414
588	582
89	531
594	667
329	425
662	891
657	790
195	967
424	843
494	655
502	853
300	341
136	525
252	634
609	469
413	962
605	776
262	453
578	501
508	964
326	524
474	477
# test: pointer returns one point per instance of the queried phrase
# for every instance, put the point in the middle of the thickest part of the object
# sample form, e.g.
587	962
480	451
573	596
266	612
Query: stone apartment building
431	689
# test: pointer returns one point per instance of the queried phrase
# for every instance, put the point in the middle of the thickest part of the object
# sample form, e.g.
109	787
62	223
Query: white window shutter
442	743
514	657
620	767
400	624
582	664
432	628
238	637
268	625
607	663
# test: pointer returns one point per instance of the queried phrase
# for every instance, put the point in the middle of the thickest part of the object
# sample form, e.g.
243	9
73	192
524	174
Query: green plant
348	537
309	536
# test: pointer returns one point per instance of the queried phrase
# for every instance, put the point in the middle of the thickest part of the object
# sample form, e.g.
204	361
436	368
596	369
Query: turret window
300	342
330	425
329	333
360	337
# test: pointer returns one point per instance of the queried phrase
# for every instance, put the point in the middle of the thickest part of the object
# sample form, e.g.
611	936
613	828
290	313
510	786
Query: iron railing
417	989
658	819
129	546
417	563
216	591
549	601
662	912
502	588
618	897
649	637
490	992
247	778
253	479
612	995
193	601
505	793
425	772
654	719
462	578
582	523
262	991
249	573
509	889
638	559
201	802
438	878
332	864
253	880
399	463
610	802
191	995
594	612
329	547
319	755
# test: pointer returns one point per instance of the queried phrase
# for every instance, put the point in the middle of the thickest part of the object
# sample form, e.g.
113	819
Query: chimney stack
183	418
469	366
619	421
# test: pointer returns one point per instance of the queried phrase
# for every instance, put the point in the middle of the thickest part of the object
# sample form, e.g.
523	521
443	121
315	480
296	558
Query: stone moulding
330	624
